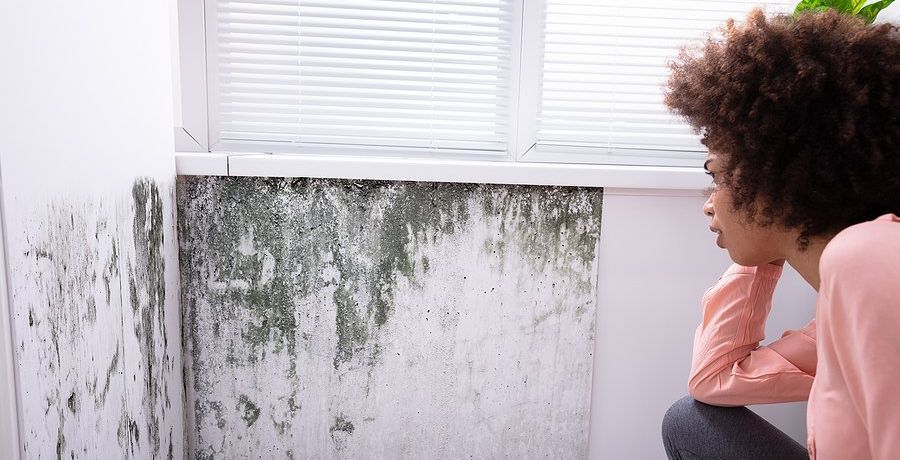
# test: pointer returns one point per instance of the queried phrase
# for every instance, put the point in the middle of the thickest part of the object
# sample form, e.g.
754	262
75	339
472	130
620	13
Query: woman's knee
678	417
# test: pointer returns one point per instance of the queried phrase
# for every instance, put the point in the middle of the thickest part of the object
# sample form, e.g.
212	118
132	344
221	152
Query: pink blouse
846	361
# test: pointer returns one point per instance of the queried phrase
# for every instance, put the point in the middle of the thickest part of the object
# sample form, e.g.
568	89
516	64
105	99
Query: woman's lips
718	233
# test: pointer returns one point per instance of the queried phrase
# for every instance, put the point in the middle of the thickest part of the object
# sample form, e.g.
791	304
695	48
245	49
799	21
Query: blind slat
605	67
406	73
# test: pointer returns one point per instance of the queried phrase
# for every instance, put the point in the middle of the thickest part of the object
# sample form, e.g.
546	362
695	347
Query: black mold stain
76	251
147	292
340	430
60	443
113	368
249	411
341	424
170	455
72	403
128	434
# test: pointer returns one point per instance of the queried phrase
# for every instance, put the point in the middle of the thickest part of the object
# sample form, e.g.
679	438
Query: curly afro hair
805	114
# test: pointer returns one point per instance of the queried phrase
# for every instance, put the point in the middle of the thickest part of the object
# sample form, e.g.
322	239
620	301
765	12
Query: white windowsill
441	170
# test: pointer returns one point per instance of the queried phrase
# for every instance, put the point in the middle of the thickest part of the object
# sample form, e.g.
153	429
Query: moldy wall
366	319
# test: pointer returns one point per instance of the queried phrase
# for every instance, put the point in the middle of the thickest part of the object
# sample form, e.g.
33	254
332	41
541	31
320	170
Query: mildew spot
60	443
72	403
128	433
341	424
112	369
248	410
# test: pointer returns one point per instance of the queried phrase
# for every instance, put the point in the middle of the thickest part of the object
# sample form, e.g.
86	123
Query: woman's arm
729	367
860	316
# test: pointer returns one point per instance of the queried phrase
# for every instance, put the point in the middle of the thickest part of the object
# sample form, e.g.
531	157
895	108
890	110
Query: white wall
9	429
657	257
86	115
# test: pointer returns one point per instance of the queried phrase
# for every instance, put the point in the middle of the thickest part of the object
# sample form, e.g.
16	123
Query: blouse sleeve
729	367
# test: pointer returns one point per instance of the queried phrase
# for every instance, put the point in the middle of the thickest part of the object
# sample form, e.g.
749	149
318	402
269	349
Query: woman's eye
708	191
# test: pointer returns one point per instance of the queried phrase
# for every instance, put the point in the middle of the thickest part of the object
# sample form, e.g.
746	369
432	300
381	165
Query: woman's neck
807	262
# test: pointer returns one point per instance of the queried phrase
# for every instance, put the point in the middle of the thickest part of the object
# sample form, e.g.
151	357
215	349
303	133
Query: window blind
397	73
604	69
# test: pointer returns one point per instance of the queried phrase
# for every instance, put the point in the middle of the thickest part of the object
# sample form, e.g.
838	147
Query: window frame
189	75
198	152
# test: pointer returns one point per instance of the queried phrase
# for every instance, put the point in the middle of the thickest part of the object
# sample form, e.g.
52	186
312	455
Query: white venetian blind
398	73
605	66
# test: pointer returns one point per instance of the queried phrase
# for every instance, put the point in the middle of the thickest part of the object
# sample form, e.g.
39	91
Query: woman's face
747	244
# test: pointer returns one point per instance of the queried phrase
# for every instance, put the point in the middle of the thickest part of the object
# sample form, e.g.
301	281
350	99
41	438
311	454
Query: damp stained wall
87	186
366	319
91	313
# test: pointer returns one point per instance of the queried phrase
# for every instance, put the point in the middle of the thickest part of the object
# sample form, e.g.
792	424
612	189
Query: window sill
441	170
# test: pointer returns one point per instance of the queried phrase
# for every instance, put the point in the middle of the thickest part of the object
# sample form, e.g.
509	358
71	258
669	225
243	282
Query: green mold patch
310	226
248	410
545	223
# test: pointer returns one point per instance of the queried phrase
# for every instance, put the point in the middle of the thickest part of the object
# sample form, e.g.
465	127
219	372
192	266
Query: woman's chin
744	259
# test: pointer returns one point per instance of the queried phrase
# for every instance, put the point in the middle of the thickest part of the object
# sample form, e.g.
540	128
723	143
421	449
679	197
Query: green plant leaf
846	6
816	6
869	12
810	5
852	7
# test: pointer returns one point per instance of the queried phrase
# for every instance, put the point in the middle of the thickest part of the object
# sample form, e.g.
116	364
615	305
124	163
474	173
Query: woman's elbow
700	391
708	391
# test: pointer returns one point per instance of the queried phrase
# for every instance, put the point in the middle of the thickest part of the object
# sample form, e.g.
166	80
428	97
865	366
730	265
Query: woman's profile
801	116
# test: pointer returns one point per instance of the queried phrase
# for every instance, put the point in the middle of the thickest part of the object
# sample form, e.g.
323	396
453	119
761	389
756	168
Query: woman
802	119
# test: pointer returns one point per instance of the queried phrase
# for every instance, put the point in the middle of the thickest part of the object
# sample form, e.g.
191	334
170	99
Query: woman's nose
708	207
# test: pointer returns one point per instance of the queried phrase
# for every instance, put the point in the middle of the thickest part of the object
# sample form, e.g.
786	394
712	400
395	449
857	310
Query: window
410	74
604	65
523	81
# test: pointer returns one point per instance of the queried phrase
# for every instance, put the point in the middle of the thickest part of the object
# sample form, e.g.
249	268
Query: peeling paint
387	319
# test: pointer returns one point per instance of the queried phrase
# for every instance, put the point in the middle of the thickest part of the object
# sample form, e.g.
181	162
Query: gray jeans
693	430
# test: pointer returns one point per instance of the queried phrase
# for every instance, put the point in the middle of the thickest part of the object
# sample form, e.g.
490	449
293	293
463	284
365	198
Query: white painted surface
201	164
657	257
9	413
342	166
188	47
87	108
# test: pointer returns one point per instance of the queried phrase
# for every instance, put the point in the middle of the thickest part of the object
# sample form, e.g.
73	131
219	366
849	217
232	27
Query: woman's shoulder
865	249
